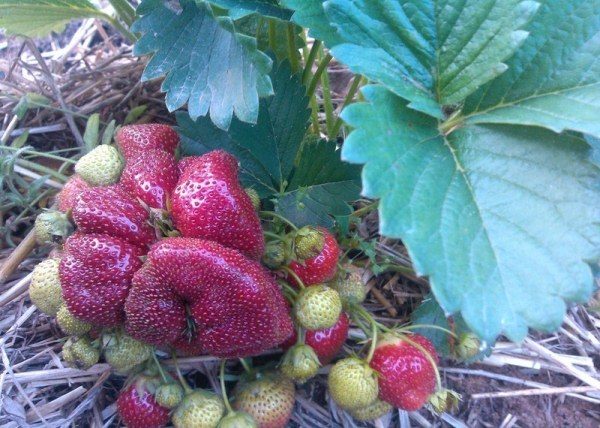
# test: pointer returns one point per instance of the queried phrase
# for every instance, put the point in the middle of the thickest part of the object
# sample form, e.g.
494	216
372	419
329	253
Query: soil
549	411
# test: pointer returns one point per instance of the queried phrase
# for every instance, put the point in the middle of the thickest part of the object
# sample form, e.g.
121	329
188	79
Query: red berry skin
406	377
327	342
151	176
183	163
138	139
110	210
95	274
138	408
320	268
210	203
234	303
67	197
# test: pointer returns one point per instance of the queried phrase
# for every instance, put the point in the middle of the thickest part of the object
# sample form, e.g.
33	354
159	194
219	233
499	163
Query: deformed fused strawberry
96	273
151	176
211	298
136	139
67	197
112	211
210	203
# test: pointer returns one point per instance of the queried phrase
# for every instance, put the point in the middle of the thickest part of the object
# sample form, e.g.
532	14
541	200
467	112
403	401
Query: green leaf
430	313
92	131
321	186
241	8
431	53
310	13
554	78
34	18
502	219
266	150
206	63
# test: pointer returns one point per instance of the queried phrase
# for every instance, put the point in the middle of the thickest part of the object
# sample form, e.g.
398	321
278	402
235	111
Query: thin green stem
186	386
159	367
374	330
292	49
301	333
223	390
294	275
314	115
40	154
124	31
434	327
9	129
273	235
279	217
42	169
245	365
317	76
365	210
347	100
327	103
289	289
310	60
428	356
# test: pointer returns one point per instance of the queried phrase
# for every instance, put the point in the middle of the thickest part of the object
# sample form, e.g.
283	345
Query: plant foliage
499	212
308	192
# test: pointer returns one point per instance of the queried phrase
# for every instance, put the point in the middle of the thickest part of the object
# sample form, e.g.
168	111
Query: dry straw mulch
548	380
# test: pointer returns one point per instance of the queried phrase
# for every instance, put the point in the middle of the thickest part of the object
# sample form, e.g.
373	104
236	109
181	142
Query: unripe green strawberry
352	383
80	353
269	399
253	194
308	242
237	420
274	255
199	409
467	346
51	227
100	167
45	291
348	283
317	307
169	395
71	325
300	363
373	411
123	352
444	400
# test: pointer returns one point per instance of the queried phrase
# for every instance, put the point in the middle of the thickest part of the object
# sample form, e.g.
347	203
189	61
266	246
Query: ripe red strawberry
322	267
138	408
327	342
406	377
112	211
151	176
210	203
95	274
136	139
67	197
235	306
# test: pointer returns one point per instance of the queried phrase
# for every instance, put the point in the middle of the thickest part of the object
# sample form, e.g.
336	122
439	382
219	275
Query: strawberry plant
476	131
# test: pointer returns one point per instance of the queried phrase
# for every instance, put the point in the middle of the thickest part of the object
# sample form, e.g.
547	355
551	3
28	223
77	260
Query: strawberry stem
223	390
287	288
245	365
273	235
159	367
186	386
435	327
279	217
293	275
425	352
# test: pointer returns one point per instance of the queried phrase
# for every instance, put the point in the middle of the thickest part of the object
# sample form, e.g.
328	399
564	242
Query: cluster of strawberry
166	254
